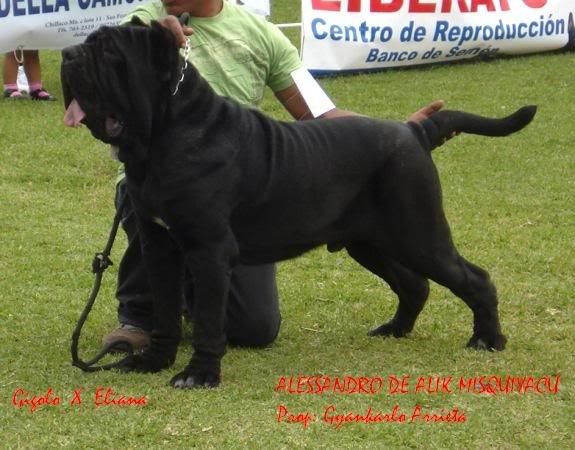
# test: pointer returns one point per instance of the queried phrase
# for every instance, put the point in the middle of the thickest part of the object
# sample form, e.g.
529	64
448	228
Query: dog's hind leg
472	284
419	237
433	256
430	253
411	289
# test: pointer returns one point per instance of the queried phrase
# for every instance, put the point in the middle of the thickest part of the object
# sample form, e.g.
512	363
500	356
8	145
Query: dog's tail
444	124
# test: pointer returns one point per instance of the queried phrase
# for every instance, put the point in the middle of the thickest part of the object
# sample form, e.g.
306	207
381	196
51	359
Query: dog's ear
162	35
137	22
165	51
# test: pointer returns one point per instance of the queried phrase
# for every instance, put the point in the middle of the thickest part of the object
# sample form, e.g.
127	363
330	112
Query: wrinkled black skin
234	185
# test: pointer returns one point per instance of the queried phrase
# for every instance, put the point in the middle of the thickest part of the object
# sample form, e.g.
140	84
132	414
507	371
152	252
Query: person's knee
254	331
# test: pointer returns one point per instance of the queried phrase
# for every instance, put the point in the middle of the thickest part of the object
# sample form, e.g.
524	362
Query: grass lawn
510	204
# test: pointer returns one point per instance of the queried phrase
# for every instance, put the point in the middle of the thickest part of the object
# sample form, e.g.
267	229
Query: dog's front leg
163	262
210	266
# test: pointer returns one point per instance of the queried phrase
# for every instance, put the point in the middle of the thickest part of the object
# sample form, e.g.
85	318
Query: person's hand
426	111
180	31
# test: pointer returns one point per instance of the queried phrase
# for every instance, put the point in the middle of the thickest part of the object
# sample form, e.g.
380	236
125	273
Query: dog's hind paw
492	343
195	380
389	329
144	364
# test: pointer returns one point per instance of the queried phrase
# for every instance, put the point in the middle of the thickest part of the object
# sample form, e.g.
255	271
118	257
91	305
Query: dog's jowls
234	185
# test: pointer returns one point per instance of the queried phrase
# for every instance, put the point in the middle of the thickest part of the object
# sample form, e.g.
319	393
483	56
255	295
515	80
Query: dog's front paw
389	329
193	379
491	343
144	363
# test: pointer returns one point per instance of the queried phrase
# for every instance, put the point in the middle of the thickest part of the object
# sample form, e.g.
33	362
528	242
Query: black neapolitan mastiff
231	184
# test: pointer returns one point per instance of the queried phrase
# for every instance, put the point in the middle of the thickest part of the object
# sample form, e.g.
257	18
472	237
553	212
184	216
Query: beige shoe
127	335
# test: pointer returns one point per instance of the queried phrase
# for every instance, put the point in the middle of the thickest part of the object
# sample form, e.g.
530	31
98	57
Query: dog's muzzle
71	58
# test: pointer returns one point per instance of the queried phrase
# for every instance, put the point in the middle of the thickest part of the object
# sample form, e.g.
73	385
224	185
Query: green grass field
510	205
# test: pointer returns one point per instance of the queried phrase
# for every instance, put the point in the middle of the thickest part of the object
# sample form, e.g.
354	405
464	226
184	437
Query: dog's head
118	81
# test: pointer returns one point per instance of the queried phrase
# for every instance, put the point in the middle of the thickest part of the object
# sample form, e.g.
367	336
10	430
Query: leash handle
100	263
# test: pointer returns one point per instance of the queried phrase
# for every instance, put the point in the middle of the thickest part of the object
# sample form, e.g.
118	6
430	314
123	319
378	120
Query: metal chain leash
187	49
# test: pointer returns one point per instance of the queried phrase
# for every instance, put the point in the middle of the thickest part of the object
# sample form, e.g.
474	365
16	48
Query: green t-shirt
237	52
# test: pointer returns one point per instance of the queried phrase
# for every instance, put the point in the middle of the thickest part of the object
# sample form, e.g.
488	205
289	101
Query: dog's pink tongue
74	114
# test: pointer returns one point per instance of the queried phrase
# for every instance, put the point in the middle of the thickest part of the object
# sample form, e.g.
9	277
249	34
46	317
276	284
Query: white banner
55	24
352	35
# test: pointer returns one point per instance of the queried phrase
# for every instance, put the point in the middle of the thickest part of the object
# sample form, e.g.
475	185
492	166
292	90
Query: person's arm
293	101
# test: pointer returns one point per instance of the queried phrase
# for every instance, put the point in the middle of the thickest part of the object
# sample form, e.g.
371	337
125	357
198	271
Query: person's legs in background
10	77
31	61
135	305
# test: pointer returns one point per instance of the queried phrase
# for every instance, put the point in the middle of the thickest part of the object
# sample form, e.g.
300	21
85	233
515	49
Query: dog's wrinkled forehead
108	41
135	42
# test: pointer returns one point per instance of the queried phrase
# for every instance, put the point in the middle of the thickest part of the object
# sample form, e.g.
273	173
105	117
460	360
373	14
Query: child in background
31	62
